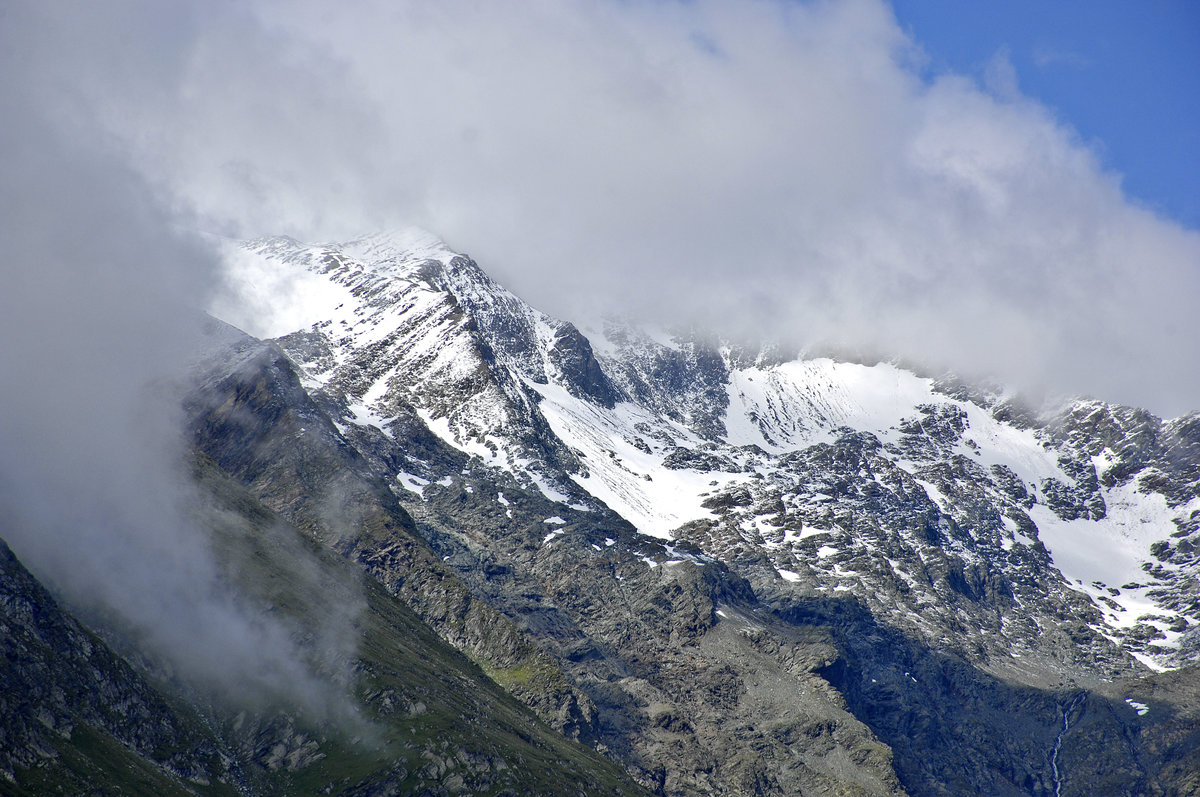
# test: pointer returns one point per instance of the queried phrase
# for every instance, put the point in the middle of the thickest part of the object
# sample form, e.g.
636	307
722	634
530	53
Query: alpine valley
602	558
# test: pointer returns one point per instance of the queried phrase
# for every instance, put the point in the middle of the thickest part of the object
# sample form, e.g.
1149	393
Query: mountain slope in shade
75	717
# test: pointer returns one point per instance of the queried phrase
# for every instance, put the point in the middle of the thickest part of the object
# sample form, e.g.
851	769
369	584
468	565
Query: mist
100	314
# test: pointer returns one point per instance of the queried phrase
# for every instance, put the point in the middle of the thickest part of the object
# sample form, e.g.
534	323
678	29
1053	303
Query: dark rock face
571	354
690	459
1163	454
685	384
75	716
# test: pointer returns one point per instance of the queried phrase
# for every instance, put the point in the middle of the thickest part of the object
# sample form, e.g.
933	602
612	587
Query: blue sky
1124	73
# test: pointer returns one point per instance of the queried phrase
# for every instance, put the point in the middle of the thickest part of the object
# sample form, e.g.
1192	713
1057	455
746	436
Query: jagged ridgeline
600	558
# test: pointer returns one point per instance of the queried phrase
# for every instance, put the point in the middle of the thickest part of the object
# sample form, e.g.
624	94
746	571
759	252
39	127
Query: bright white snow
1140	708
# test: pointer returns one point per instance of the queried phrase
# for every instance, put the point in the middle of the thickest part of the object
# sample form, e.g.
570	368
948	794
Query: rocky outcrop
75	717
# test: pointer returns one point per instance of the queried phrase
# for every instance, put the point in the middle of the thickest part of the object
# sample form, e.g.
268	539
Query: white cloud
1000	76
769	164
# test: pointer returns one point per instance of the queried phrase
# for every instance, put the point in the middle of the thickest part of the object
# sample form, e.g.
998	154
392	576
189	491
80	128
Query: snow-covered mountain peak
405	244
930	499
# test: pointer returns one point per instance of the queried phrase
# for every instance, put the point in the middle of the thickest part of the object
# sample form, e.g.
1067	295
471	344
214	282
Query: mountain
604	557
627	497
889	480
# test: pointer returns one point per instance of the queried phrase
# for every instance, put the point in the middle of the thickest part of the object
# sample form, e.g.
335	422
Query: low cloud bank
776	167
99	312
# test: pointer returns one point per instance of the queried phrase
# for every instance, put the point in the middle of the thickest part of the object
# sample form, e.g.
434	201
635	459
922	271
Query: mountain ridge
951	515
699	384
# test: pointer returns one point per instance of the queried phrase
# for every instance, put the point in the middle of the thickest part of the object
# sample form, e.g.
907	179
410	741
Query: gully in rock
1066	726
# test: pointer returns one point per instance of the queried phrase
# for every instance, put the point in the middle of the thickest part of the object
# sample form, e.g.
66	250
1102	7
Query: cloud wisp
99	311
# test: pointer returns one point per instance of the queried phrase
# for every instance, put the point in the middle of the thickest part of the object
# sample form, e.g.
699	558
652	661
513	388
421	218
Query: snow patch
1109	560
1140	708
414	484
631	481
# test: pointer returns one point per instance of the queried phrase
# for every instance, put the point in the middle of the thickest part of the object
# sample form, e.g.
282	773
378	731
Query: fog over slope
100	315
